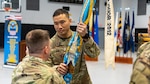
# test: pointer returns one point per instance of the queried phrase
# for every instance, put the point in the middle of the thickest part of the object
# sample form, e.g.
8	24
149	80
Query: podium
128	60
22	50
90	59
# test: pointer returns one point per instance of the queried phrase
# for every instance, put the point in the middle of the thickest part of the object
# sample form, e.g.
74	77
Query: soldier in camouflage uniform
34	69
140	40
141	67
60	42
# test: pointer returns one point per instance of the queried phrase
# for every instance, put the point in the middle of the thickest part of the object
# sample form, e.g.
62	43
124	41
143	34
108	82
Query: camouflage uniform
33	70
141	67
140	40
58	49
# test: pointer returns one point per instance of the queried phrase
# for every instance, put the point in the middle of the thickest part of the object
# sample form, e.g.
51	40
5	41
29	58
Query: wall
44	16
140	20
120	5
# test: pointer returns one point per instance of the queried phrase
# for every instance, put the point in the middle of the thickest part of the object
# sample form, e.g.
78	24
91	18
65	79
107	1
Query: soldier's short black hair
61	11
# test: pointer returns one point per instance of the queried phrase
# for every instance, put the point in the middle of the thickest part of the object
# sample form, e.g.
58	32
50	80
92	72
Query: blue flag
126	33
131	42
96	34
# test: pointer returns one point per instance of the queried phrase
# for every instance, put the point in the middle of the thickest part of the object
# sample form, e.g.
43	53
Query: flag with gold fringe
119	39
116	32
73	50
109	51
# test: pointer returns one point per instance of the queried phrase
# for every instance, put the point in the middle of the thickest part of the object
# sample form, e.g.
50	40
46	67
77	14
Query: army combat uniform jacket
58	50
33	70
141	67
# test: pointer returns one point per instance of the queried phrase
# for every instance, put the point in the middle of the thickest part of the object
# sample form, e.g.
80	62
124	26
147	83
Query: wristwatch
86	36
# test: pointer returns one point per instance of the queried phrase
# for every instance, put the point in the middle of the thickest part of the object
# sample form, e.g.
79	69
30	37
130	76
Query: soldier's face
62	24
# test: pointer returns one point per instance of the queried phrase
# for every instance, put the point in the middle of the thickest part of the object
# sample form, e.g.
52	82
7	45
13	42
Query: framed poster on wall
96	7
69	1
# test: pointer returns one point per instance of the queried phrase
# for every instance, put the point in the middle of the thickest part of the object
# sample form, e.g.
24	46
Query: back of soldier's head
36	40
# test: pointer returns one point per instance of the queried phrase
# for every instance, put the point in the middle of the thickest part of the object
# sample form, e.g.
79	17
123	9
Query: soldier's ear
46	50
70	20
27	50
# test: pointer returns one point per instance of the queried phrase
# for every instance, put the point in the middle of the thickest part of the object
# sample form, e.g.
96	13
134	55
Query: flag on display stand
124	36
131	41
109	51
119	39
126	33
96	31
116	31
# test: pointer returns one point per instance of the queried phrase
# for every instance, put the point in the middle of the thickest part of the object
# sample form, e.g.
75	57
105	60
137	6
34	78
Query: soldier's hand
82	29
62	68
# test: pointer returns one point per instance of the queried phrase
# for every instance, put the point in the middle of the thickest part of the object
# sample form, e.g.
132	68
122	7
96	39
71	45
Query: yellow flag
91	24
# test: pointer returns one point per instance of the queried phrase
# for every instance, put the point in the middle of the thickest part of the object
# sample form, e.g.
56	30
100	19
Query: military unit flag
96	33
76	43
119	39
116	32
109	51
128	39
131	41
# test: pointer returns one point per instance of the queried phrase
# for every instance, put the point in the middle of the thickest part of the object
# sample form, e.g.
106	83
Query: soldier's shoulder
147	44
144	50
54	37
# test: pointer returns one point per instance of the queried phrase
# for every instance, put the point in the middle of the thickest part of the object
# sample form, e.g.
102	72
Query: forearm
91	48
